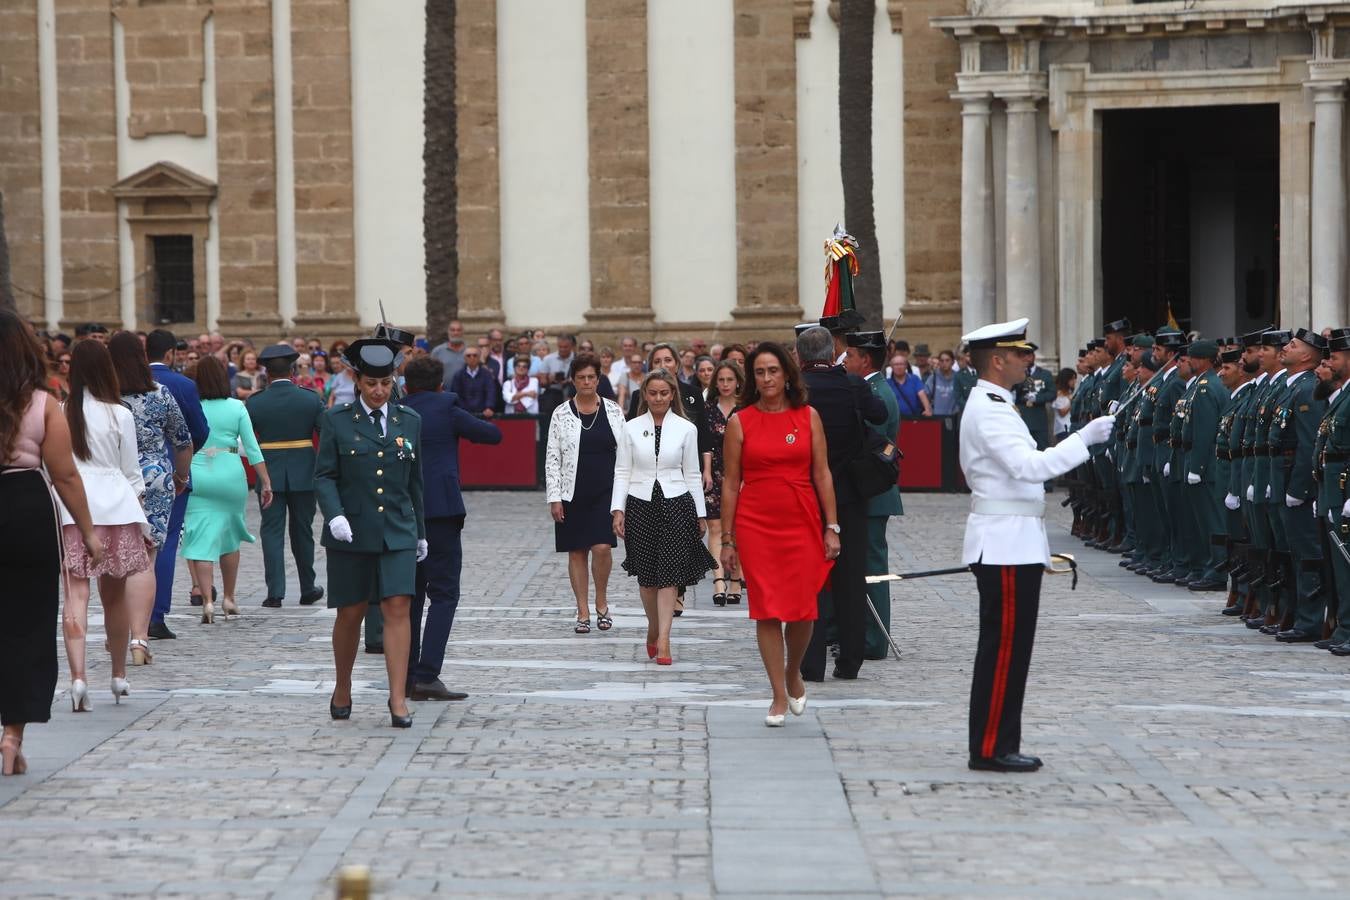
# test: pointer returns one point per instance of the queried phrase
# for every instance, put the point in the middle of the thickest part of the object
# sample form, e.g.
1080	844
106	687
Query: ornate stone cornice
1153	18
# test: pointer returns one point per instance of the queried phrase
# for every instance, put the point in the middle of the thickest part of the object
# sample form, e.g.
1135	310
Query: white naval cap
1011	335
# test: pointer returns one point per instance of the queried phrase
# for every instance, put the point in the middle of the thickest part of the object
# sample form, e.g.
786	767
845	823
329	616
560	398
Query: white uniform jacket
1007	475
637	468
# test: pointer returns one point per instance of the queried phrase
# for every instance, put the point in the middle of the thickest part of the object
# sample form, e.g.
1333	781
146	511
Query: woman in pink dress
775	483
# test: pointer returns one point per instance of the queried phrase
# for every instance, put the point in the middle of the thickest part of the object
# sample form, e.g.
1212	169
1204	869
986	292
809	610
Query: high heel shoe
735	598
140	653
229	608
398	721
11	758
79	696
719	597
797	705
208	613
339	712
120	688
665	660
777	721
651	651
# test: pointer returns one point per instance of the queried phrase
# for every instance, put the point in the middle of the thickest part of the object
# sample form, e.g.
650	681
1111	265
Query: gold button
380	454
379	471
379	509
379	490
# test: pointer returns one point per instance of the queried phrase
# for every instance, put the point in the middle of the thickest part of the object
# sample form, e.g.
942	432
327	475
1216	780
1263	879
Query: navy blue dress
587	521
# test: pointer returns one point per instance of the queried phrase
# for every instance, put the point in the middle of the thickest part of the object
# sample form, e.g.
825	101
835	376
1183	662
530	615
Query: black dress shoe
1234	610
435	690
311	598
1009	762
272	603
1126	564
160	632
397	721
339	712
1296	636
1256	622
842	675
1340	649
1202	584
374	648
1270	629
1324	644
1164	578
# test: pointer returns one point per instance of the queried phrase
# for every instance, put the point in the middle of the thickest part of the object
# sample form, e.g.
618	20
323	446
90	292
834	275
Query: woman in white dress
103	437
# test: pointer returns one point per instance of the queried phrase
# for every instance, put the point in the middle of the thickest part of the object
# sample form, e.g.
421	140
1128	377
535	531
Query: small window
175	294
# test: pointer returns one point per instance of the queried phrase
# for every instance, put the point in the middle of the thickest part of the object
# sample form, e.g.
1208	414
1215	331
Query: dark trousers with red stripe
1010	597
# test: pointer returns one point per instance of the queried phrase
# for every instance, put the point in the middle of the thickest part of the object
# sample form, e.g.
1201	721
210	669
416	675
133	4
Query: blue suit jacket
184	390
444	422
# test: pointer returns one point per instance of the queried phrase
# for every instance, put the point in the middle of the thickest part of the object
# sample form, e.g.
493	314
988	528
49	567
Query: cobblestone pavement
1185	757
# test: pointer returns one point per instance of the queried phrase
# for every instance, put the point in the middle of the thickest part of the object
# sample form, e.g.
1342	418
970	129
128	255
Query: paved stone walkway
1185	757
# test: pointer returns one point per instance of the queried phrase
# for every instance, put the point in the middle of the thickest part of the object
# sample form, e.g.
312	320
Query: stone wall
478	182
21	163
165	60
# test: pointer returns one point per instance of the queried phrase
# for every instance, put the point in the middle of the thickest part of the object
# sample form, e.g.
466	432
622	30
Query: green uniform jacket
375	481
1122	453
1209	403
965	380
1232	430
1294	427
286	412
1176	431
1333	457
1038	391
1169	395
887	503
1251	425
1111	385
1265	412
1140	431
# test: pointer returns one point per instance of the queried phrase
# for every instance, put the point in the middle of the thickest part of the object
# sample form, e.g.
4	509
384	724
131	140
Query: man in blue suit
444	422
159	349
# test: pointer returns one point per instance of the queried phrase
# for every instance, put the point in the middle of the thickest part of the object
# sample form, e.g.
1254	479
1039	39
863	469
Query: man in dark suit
476	386
285	418
843	402
160	348
444	422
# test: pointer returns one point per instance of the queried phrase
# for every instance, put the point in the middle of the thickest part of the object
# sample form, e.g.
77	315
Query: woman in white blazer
658	506
103	438
579	461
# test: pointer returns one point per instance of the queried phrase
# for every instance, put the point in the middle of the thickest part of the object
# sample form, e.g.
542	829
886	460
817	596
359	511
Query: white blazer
677	471
112	477
564	445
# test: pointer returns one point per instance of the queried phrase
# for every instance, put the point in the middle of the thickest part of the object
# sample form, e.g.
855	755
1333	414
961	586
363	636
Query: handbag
875	468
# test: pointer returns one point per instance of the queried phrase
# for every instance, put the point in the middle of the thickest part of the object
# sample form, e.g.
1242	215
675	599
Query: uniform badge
399	440
996	398
1303	408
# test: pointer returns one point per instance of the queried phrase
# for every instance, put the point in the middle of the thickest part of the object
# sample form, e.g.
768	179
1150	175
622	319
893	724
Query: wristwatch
835	528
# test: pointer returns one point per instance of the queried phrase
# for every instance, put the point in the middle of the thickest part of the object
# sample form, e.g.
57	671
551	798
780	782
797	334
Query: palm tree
440	165
856	18
6	289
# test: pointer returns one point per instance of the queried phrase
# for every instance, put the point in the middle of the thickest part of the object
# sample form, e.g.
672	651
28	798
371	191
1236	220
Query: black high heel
720	597
339	712
733	599
397	721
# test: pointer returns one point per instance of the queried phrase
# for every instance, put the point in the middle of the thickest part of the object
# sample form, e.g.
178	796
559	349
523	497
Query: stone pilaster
88	148
321	96
620	209
21	163
766	166
479	177
1022	229
1328	205
978	300
246	161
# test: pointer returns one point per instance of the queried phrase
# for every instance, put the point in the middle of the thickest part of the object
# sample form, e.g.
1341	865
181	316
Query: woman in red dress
775	485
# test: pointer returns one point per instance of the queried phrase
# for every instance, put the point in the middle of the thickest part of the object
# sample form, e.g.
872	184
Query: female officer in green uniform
368	481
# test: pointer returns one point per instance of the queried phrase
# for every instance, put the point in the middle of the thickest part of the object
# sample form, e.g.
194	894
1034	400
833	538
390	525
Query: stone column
1022	230
21	164
479	181
1328	205
977	215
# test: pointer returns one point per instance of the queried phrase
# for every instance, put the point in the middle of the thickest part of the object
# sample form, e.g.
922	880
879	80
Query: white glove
1267	492
1109	456
1167	469
421	550
1146	480
1291	501
341	528
1314	509
1250	493
1345	510
1192	478
1231	501
1097	431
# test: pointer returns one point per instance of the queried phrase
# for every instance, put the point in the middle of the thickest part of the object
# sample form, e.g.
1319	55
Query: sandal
140	653
195	596
583	626
603	621
733	599
720	597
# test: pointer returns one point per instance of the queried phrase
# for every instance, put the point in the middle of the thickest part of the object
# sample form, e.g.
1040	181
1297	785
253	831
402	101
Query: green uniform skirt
369	577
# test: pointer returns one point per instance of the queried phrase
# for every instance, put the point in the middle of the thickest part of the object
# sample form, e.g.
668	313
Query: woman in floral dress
727	381
159	425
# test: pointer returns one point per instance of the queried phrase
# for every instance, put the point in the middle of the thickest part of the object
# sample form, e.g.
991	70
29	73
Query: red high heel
664	660
651	651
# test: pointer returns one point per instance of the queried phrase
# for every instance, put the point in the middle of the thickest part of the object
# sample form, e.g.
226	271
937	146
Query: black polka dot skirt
662	545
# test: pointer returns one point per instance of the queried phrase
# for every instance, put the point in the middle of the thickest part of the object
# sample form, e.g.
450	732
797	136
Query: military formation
1226	470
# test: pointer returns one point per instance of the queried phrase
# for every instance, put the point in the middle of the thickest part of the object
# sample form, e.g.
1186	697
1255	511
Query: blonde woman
657	505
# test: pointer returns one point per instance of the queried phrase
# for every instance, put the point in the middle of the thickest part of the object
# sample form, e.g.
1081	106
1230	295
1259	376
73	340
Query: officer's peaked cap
867	340
1006	335
848	320
278	351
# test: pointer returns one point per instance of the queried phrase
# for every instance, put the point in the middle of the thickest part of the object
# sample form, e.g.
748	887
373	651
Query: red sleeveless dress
779	534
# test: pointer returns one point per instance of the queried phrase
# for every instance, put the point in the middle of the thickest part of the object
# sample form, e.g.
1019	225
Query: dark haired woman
103	437
33	434
776	484
728	382
214	524
159	425
735	353
579	473
59	382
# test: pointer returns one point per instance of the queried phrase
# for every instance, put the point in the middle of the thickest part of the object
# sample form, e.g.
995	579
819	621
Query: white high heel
797	705
120	688
79	696
777	721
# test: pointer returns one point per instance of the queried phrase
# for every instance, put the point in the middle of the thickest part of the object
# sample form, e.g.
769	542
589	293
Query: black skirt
662	543
587	521
30	568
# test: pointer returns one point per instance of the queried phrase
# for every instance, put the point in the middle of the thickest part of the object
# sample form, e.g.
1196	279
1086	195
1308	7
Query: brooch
646	434
791	438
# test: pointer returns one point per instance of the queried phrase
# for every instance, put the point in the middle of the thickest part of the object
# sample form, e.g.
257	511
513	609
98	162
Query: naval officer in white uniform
1005	543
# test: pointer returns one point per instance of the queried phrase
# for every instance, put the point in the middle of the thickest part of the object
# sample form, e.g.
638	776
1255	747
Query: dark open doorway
1190	217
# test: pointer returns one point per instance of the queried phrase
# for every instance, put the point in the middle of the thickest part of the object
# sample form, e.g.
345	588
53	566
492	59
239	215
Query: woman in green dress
214	524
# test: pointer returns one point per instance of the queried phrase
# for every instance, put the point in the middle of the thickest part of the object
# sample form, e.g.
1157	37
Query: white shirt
1334	394
1001	463
384	415
1289	382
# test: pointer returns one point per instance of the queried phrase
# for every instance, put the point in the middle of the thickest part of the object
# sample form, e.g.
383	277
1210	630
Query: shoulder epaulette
996	398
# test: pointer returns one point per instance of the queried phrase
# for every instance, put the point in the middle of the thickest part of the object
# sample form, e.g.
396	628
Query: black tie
375	415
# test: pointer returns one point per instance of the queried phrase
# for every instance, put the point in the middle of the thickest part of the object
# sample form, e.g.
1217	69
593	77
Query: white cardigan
638	468
564	440
112	477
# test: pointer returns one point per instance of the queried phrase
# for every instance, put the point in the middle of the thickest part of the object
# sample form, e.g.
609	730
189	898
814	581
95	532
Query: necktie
375	416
